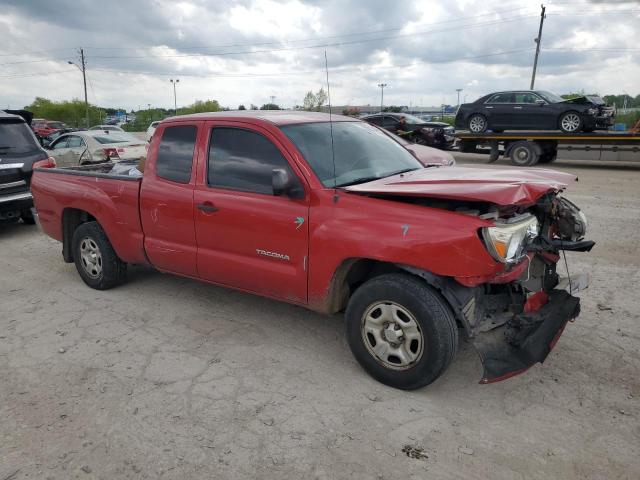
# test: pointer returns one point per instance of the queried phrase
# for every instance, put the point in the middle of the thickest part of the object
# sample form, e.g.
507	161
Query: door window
75	142
175	154
375	120
242	160
60	144
527	97
389	121
502	98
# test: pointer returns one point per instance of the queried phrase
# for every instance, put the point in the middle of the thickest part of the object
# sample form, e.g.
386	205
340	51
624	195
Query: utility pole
458	90
83	68
175	103
382	85
273	99
538	40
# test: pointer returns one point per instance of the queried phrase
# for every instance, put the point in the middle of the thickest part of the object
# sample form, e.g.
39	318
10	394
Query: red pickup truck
335	216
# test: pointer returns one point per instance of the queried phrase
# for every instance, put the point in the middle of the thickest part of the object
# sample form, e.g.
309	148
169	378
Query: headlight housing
506	240
592	111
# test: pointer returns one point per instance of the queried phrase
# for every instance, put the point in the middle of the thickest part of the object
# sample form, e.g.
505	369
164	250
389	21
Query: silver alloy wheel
477	124
392	335
570	122
90	257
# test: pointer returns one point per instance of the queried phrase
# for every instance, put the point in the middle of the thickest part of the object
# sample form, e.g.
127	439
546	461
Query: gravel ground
169	378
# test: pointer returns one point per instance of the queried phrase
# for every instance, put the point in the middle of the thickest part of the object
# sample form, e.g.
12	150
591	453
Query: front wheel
401	331
570	122
96	260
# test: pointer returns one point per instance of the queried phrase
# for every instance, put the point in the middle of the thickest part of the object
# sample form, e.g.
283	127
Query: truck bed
61	193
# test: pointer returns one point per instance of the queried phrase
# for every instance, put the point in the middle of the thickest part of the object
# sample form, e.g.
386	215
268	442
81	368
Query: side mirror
284	183
541	102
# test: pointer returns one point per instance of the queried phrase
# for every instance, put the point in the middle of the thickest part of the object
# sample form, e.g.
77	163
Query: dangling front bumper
526	339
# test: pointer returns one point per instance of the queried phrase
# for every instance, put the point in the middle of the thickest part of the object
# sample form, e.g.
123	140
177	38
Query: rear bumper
526	339
12	205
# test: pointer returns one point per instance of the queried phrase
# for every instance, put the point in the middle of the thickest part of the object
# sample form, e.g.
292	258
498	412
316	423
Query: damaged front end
515	318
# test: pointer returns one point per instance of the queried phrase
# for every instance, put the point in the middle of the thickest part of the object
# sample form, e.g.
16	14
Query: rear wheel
96	260
570	122
524	154
401	331
477	123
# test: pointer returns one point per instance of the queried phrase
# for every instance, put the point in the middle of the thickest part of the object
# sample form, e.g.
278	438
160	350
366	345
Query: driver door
247	237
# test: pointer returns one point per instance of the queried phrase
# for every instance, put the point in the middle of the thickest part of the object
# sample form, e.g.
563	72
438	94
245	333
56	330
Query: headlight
505	241
592	111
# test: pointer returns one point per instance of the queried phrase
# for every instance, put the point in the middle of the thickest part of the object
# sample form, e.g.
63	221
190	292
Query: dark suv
19	150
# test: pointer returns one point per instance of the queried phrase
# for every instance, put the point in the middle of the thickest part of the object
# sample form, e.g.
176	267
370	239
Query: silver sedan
95	146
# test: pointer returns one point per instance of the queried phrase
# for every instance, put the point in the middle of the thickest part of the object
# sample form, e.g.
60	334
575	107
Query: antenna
333	153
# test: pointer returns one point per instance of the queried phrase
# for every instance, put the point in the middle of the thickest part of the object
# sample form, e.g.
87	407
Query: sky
247	51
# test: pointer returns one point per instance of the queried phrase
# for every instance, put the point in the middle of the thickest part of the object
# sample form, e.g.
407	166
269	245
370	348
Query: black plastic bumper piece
526	339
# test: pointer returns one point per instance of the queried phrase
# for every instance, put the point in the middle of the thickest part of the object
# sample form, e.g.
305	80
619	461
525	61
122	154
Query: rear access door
247	237
166	200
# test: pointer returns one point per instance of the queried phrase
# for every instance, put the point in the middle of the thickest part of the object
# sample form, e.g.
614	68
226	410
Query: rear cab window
175	153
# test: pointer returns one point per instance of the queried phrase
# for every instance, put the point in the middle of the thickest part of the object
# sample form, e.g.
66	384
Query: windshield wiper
372	178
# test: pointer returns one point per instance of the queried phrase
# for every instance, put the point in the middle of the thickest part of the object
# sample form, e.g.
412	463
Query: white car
151	129
107	128
95	146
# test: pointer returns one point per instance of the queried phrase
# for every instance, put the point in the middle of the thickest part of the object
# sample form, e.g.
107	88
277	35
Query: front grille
8	176
12	181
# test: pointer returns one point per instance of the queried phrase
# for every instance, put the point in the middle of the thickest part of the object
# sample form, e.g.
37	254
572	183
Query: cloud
248	50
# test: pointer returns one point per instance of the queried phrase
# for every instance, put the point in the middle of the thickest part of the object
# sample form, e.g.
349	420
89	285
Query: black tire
547	157
524	153
477	123
111	272
27	217
436	324
467	146
568	126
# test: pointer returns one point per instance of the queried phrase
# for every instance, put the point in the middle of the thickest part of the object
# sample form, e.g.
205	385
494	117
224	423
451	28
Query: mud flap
526	339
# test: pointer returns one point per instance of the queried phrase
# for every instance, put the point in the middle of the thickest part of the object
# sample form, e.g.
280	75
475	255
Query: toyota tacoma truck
331	214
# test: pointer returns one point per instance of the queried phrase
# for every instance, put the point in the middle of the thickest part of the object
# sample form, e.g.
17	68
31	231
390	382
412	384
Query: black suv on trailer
534	110
19	150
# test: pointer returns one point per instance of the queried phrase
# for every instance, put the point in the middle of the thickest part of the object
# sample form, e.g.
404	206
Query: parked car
107	128
534	110
46	141
19	150
95	146
336	216
151	129
431	134
43	128
427	156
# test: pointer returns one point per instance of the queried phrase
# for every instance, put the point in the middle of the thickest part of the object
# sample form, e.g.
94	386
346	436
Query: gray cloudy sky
244	51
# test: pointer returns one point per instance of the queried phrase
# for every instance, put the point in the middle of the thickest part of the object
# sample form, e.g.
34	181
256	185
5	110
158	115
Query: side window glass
526	97
175	153
501	98
61	144
242	160
375	120
74	142
389	121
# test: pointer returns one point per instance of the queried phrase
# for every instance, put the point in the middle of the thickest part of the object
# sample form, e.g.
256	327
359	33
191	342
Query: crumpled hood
504	186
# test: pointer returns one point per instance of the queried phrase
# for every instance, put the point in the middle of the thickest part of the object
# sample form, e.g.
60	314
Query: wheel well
349	275
71	218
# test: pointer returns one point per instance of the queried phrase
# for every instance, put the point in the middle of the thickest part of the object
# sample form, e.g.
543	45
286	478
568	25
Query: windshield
550	97
413	119
362	152
16	138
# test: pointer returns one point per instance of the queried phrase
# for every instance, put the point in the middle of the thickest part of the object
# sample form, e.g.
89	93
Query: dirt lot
170	378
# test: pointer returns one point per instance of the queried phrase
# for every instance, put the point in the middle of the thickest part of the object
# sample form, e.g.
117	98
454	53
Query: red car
44	128
335	217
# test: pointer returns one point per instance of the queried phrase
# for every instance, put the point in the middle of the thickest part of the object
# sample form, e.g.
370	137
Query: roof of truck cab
277	117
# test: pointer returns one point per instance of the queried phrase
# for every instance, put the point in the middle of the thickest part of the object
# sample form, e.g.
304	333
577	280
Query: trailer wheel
548	157
468	146
524	153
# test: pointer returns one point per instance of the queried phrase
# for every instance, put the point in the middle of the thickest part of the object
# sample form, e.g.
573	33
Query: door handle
488	107
517	108
207	207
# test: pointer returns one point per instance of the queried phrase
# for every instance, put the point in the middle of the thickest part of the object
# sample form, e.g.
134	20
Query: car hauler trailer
526	148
